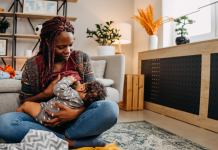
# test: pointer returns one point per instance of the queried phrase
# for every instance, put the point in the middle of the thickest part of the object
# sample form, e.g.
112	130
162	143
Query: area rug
142	135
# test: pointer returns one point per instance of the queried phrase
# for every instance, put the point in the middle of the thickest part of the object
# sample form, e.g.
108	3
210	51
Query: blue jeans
99	117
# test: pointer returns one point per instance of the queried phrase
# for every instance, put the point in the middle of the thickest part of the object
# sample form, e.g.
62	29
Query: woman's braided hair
50	29
95	91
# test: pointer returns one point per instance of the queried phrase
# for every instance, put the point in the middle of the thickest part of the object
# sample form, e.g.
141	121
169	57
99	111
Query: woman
80	127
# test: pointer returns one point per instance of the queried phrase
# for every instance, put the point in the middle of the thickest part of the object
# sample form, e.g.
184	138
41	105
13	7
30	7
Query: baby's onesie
64	95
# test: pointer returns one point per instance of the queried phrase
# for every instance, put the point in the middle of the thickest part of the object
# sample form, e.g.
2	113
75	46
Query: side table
133	92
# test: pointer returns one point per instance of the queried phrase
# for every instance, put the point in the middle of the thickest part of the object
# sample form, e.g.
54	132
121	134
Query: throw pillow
105	82
99	68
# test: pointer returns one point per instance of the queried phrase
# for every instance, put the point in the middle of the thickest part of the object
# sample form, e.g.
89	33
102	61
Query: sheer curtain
204	27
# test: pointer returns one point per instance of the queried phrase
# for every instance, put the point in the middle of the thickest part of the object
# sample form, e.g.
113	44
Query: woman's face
63	46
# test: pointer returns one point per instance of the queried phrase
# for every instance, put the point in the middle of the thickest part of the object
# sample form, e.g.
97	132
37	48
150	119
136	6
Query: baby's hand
72	78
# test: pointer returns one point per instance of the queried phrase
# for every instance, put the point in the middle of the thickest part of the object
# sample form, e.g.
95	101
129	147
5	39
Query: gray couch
115	66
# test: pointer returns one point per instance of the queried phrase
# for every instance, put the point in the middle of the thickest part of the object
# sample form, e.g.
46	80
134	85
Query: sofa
114	70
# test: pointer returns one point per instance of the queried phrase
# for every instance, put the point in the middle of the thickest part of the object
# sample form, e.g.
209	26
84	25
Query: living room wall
88	14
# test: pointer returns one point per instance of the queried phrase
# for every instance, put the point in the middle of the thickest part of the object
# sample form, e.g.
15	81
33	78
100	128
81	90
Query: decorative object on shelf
3	47
105	37
28	53
146	19
29	6
1	10
51	8
4	24
125	31
182	31
40	7
38	29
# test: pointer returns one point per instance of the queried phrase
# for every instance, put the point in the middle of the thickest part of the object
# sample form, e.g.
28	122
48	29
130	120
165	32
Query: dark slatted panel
213	99
173	82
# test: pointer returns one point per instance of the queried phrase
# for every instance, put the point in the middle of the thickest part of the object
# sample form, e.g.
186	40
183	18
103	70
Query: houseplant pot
2	30
184	20
4	24
153	41
106	50
105	37
182	40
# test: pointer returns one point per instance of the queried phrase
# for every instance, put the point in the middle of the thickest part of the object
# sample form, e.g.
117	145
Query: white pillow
99	68
105	82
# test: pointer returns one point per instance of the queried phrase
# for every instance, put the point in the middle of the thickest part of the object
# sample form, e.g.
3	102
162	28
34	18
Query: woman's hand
72	78
48	92
64	115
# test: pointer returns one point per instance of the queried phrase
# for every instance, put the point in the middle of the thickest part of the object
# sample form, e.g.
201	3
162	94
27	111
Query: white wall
140	35
88	13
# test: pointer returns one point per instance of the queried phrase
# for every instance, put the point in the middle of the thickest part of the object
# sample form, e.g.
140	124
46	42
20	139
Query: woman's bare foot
71	143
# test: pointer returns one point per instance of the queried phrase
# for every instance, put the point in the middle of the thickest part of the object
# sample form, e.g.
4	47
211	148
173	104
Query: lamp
125	31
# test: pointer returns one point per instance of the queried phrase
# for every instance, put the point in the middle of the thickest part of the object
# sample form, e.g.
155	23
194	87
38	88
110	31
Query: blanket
38	140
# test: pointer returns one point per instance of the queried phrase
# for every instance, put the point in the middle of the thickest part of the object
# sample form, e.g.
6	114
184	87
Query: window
202	29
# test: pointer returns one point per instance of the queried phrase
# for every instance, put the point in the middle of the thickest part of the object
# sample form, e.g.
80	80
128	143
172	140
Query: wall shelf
15	14
33	16
5	57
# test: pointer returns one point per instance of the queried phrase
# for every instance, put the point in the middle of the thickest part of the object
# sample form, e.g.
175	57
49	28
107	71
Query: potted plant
4	24
182	31
146	19
105	36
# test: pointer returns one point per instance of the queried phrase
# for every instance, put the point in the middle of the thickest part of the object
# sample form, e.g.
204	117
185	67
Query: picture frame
51	8
3	47
40	7
29	6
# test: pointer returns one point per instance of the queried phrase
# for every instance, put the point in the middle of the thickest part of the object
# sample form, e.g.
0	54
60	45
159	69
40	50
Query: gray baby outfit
64	95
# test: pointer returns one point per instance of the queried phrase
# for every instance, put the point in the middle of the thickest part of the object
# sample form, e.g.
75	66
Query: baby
83	95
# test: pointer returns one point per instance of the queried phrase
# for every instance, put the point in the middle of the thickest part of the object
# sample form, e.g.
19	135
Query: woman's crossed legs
99	117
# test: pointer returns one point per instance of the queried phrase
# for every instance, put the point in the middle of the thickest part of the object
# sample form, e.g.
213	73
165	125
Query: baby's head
91	91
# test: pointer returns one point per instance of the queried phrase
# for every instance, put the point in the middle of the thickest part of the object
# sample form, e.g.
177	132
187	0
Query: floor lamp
125	31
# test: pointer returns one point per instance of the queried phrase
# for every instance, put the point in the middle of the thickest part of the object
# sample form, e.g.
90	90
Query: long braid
50	29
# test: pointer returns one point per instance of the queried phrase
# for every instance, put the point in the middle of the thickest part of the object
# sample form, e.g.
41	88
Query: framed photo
3	47
51	8
29	6
40	7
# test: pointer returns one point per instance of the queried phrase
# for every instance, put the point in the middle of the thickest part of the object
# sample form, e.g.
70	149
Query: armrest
115	70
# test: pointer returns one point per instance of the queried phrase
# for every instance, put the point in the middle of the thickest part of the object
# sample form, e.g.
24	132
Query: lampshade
125	31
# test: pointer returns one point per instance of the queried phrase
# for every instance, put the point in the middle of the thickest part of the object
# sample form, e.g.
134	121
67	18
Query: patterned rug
143	135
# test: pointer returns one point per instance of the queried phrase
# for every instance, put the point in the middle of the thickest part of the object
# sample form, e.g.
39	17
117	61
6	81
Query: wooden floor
198	135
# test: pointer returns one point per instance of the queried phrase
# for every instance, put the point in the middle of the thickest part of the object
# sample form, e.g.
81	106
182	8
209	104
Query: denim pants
98	117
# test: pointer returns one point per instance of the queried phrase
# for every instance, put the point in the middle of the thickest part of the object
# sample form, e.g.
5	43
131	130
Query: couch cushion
105	82
112	94
99	68
10	86
9	102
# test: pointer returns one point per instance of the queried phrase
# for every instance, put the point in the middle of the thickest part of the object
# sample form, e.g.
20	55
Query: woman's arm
88	69
43	96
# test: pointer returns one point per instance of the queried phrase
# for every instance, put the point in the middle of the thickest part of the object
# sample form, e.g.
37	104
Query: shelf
5	35
5	57
27	36
72	1
19	57
15	57
34	16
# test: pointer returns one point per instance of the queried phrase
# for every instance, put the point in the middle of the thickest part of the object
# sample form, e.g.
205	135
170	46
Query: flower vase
153	41
106	50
